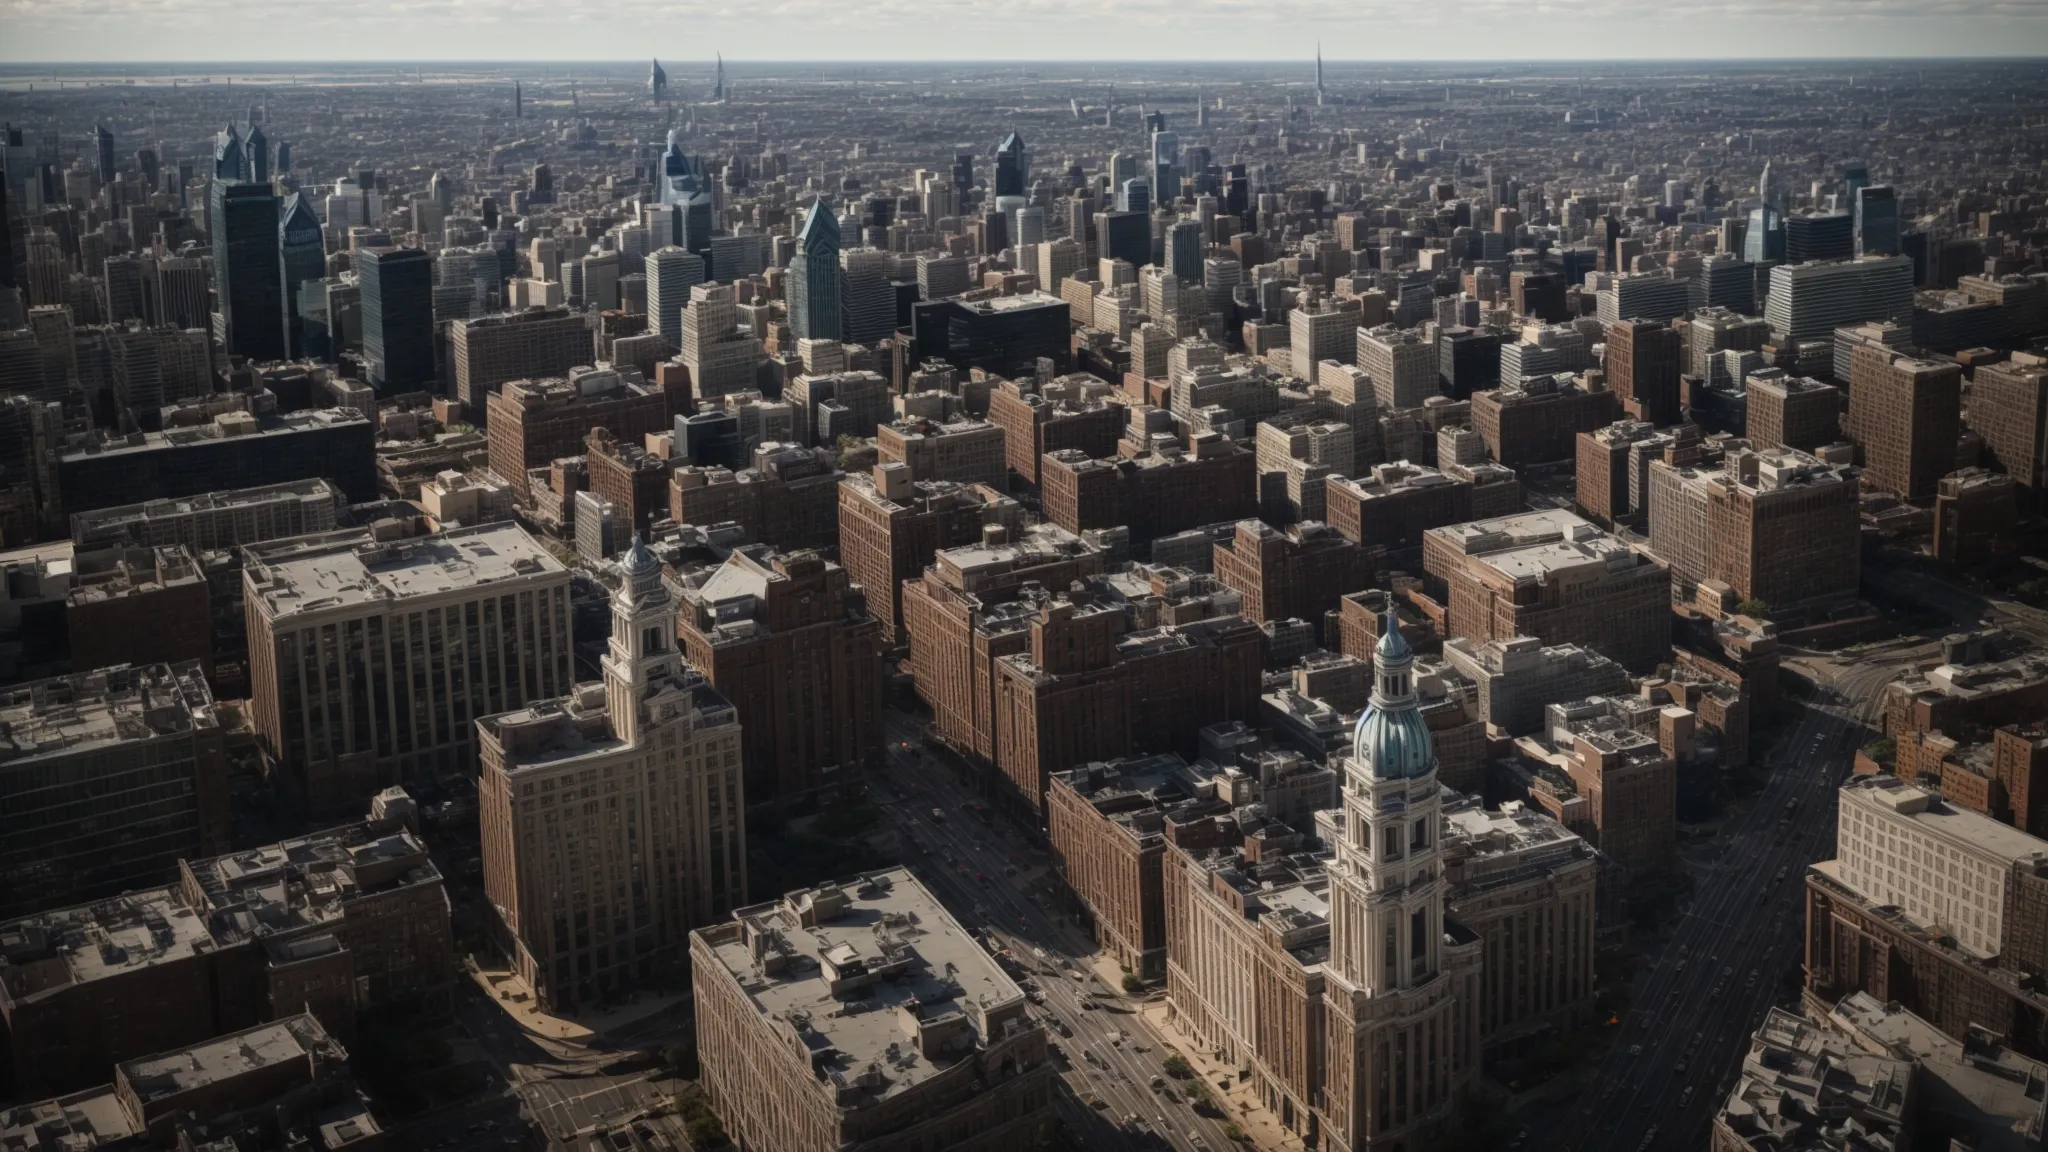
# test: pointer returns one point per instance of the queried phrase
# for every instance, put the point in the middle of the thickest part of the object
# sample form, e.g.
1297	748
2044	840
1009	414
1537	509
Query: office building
891	526
1976	516
672	273
536	422
939	277
214	520
487	351
1813	236
1537	420
1553	576
1777	526
1793	412
1600	767
1724	281
398	317
591	906
1070	412
2009	409
109	779
331	923
248	274
369	659
236	448
1810	301
966	451
1514	680
788	640
948	1054
1642	364
787	497
1655	297
1007	335
1392	505
720	356
1153	494
814	288
1876	211
1526	886
1403	366
1905	415
303	247
1298	573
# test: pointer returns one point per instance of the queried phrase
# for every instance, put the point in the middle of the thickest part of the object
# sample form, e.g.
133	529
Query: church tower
1401	1002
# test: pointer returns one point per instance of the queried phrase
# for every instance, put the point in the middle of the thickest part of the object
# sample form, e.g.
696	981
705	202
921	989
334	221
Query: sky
34	31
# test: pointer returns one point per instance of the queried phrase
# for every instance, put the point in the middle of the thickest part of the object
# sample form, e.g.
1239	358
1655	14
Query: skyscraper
257	151
1165	171
105	141
1319	72
227	155
671	272
1877	220
718	81
1013	167
248	276
398	317
657	81
1402	985
814	277
302	247
867	308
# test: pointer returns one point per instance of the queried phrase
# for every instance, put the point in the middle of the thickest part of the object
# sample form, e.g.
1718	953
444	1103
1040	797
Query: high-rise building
1810	301
1007	336
369	659
302	244
1657	297
813	289
490	350
1403	365
1777	526
1877	220
248	275
592	904
536	422
398	317
788	639
1554	576
1905	415
720	357
672	271
1642	369
891	526
1013	167
1792	412
1402	985
2009	409
1819	236
867	299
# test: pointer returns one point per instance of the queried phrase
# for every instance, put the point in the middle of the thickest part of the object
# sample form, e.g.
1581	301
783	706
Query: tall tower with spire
1401	1000
1319	72
657	82
518	102
718	81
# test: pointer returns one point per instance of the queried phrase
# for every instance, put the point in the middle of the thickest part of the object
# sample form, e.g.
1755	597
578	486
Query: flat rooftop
357	570
51	951
67	715
874	976
1928	810
225	1057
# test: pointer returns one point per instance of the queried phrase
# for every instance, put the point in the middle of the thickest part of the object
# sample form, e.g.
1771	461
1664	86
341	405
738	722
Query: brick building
964	613
1793	412
1776	526
1392	505
634	480
1553	576
788	640
963	451
1070	412
2009	409
139	606
656	740
534	422
1089	690
1643	359
1976	516
486	351
1299	573
1538	420
771	985
1626	780
332	922
1153	493
1905	415
1603	470
787	498
890	528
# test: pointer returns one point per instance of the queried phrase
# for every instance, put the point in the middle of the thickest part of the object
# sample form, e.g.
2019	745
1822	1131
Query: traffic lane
1623	1067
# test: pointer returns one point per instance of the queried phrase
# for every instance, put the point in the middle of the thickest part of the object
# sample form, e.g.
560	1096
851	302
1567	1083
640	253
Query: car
1635	1049
1728	971
1649	1139
1646	1023
1680	1066
939	815
1685	1097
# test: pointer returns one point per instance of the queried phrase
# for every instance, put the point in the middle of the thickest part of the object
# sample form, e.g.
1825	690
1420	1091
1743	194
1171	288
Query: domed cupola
1392	740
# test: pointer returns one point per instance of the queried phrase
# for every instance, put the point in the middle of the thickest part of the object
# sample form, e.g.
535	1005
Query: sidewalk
511	994
1239	1100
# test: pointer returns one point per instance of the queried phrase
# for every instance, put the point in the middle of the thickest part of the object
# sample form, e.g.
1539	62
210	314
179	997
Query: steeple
718	81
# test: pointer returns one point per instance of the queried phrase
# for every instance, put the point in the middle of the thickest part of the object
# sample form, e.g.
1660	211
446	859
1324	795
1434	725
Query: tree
1178	1068
1753	607
1133	986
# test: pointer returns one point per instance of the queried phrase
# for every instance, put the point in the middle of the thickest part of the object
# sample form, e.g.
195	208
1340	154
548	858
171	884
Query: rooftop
1981	834
296	1038
873	977
291	577
111	706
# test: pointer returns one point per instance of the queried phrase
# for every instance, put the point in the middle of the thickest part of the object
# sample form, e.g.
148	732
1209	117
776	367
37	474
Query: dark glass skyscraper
814	277
248	278
398	317
1013	167
257	151
1819	236
105	140
304	254
1765	239
1877	221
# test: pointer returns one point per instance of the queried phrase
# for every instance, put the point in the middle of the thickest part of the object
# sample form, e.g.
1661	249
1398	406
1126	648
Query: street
1682	1043
958	848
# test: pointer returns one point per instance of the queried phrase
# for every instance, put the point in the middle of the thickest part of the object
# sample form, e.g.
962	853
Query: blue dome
1392	645
638	561
1394	743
